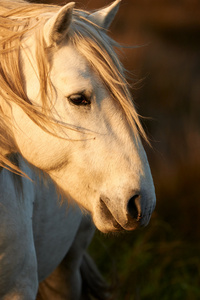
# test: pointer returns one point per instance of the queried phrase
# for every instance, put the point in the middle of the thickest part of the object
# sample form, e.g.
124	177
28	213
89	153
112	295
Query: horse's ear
104	17
56	28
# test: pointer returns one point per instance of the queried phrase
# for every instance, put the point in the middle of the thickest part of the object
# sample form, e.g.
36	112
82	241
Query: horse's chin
112	225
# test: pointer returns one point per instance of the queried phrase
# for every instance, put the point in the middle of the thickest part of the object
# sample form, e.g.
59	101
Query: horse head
91	147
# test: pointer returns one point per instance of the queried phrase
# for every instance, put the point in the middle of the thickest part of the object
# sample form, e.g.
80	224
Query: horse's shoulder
18	265
15	209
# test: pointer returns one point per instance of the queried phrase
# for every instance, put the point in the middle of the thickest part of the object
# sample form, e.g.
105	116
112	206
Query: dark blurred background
161	261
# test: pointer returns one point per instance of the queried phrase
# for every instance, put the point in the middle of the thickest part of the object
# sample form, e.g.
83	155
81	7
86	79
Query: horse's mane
17	19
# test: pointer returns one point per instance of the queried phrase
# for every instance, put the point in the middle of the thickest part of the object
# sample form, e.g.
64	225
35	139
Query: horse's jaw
120	208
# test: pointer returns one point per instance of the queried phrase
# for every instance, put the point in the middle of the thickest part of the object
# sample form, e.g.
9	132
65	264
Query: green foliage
153	263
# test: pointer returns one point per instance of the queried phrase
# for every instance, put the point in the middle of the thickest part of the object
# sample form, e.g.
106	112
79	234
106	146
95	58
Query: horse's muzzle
126	215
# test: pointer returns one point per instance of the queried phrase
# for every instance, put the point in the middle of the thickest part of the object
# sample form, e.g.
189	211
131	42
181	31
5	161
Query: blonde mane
17	18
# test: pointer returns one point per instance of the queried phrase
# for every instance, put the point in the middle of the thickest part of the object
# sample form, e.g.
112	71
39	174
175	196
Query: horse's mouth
111	223
108	219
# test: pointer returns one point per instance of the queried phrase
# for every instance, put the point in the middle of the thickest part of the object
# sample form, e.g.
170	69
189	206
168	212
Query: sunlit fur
19	19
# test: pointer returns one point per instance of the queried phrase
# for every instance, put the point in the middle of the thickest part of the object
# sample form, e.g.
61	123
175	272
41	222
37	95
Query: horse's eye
79	99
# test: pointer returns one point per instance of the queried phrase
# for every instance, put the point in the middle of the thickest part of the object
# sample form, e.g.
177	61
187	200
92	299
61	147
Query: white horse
67	127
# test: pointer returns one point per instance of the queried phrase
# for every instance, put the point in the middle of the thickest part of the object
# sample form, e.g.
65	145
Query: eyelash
79	100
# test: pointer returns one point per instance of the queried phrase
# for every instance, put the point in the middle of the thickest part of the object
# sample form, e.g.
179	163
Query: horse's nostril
134	207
